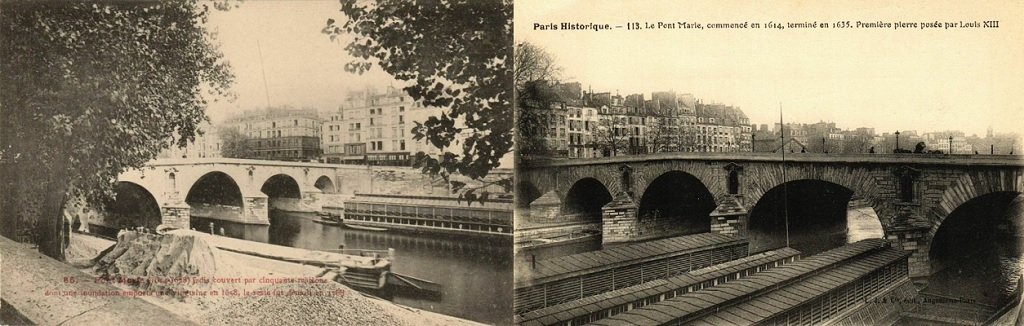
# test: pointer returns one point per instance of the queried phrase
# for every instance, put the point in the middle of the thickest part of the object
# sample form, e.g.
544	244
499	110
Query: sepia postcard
500	162
789	162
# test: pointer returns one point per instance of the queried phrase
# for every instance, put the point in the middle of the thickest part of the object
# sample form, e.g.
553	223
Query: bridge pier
619	220
311	201
255	210
916	240
546	208
730	217
910	231
176	215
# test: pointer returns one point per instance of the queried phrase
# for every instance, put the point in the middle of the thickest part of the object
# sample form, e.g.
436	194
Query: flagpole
785	190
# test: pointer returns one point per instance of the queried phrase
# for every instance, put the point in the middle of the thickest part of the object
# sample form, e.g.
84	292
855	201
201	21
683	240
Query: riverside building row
370	127
585	124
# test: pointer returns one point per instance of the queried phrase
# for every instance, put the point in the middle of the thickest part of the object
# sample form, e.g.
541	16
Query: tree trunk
8	218
52	227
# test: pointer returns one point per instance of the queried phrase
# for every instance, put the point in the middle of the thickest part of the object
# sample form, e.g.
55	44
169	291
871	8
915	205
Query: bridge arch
812	213
214	195
970	186
863	182
711	176
325	184
133	205
586	196
680	197
215	187
976	249
281	186
526	193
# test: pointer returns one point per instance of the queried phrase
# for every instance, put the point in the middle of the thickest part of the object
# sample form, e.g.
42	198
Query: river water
476	273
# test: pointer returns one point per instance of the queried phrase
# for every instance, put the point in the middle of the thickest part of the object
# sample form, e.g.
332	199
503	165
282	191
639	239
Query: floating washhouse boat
451	215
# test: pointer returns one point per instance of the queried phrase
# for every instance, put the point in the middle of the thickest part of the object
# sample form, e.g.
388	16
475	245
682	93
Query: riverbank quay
309	300
37	289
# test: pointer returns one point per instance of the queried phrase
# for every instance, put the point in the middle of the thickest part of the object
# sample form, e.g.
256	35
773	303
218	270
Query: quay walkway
28	275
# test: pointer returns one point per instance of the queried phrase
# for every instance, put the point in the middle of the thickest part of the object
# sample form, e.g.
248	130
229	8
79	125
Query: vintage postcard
788	162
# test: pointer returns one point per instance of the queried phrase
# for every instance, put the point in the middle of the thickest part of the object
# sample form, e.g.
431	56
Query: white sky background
925	80
303	67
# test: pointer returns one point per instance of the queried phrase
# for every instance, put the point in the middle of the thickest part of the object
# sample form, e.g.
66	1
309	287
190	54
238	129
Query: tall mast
266	90
785	190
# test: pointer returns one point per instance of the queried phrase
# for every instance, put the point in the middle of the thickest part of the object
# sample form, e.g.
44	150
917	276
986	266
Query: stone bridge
243	191
234	189
912	194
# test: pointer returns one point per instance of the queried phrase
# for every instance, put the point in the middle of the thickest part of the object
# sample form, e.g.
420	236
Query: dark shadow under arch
586	197
814	211
325	184
281	186
216	188
133	206
681	197
976	251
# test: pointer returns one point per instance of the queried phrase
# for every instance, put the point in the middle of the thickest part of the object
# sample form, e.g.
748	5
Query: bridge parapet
929	159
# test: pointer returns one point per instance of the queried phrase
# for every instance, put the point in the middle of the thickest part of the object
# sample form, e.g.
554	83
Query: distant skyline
839	124
304	68
924	80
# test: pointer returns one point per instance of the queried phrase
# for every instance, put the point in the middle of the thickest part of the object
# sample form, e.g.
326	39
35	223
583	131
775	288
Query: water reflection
476	273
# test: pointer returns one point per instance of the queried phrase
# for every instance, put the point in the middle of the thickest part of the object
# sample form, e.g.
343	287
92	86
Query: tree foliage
91	89
233	143
535	72
609	141
661	136
534	103
533	63
457	55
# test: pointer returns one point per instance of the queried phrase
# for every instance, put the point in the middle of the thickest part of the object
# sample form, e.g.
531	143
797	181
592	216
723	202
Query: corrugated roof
866	254
614	298
589	262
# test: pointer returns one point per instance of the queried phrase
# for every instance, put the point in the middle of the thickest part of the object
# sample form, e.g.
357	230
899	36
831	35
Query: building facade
280	133
375	128
332	133
207	145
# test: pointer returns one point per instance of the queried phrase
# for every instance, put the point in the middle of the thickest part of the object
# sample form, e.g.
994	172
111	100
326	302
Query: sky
889	79
304	68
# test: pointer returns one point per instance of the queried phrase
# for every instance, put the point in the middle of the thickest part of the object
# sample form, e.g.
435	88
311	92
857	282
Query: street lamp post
823	145
753	139
951	145
897	140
